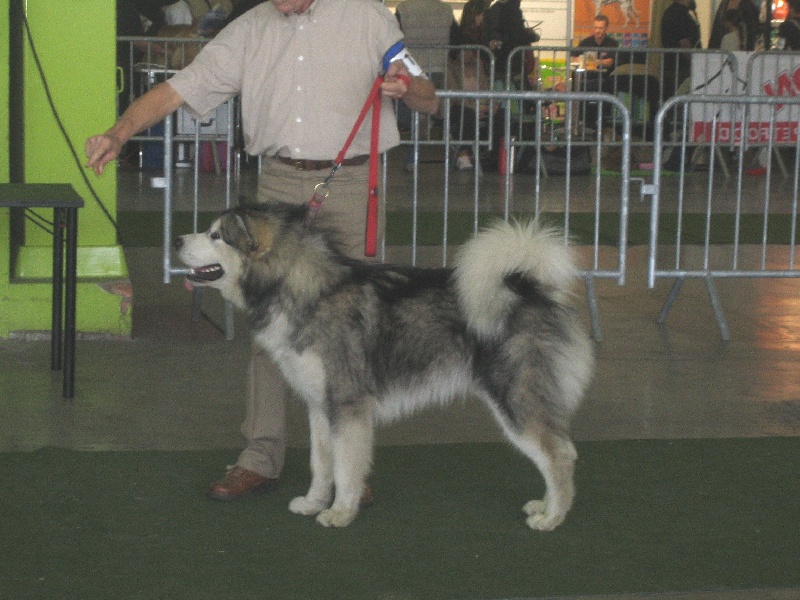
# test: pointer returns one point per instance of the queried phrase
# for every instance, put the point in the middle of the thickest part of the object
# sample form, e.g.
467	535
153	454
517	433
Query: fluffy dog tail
508	264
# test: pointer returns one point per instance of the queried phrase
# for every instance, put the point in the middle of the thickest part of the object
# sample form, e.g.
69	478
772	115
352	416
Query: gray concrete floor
179	385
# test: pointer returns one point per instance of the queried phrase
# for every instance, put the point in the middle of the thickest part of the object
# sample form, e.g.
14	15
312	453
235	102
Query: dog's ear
261	233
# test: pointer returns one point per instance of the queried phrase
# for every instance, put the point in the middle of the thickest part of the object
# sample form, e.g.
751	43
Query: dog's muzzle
204	274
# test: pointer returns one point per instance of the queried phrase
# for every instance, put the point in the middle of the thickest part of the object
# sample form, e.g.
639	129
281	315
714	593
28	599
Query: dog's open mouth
206	273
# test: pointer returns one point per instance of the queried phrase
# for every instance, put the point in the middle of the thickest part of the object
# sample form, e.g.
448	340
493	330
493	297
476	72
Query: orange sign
780	10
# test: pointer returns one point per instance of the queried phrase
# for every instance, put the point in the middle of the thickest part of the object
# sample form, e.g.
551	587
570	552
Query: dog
364	343
626	7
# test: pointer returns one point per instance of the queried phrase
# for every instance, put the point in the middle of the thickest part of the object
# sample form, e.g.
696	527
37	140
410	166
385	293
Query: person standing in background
734	38
428	23
136	18
504	29
468	72
679	29
749	24
471	25
428	26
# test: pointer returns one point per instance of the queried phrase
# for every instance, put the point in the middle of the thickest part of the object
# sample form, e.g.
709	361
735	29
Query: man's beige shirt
303	79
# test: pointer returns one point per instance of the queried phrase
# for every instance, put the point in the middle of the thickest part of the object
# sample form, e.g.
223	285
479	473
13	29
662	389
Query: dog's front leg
319	493
352	457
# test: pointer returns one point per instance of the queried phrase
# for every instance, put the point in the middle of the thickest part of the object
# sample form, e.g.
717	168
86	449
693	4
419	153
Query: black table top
39	195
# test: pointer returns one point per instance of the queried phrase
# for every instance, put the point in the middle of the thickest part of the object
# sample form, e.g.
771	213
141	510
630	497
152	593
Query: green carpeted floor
649	516
140	229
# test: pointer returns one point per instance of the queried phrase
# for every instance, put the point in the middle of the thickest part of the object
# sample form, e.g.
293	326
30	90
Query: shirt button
300	58
298	120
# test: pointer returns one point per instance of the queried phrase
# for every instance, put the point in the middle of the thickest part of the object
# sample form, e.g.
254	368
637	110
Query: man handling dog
303	69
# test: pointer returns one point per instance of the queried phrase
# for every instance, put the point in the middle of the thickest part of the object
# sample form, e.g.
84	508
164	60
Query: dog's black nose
178	244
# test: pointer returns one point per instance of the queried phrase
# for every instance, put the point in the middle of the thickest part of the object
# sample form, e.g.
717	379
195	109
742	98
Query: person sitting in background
596	42
178	13
604	63
789	30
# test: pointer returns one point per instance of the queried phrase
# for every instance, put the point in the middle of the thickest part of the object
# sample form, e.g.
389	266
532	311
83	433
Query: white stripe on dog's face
213	261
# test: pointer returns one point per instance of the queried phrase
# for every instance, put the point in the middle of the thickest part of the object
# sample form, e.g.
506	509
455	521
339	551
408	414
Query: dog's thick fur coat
363	343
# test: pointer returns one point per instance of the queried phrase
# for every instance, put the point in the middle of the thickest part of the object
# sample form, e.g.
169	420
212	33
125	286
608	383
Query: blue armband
399	52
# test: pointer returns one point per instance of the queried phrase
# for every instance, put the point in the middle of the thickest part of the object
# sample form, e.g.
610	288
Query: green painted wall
75	44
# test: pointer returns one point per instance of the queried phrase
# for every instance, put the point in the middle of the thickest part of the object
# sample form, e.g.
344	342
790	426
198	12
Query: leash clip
321	192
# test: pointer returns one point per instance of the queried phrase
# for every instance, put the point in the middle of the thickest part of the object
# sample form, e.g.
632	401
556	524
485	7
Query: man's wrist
117	133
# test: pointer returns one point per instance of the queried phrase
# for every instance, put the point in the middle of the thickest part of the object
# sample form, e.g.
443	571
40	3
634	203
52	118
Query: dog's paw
535	507
538	517
303	505
333	517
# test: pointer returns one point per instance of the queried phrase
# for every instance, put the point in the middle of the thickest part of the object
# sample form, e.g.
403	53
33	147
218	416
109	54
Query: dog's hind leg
554	456
353	436
319	493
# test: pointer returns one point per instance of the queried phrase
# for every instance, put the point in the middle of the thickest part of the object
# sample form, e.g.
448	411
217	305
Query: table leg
58	289
70	302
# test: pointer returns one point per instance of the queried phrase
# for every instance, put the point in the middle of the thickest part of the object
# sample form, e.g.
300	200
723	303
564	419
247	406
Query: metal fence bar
744	221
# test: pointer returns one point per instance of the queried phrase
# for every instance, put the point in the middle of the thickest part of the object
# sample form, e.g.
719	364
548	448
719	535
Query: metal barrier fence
545	172
780	62
565	155
207	145
151	55
466	68
642	78
709	229
166	183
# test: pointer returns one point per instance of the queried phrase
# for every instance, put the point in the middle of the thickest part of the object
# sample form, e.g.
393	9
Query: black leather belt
319	165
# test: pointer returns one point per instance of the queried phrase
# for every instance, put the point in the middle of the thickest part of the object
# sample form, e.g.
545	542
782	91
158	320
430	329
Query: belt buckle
298	163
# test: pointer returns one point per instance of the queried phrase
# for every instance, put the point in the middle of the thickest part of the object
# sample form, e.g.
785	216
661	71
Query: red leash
321	191
371	234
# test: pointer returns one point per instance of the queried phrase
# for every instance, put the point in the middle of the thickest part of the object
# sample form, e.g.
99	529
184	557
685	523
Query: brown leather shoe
239	482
